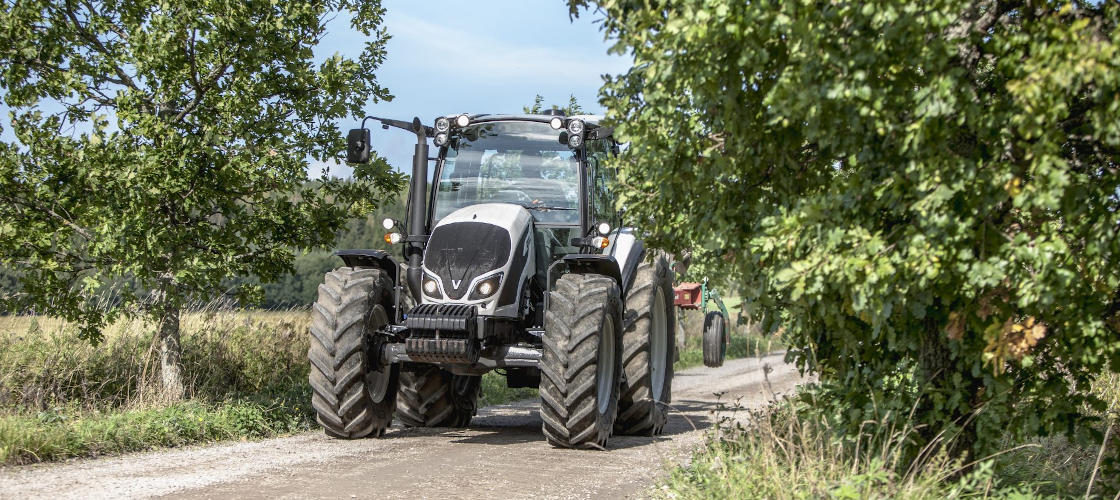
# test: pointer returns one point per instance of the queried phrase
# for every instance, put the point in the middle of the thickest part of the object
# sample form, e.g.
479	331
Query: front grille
461	251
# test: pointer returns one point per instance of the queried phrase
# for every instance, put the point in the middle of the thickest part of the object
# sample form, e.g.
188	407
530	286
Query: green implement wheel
715	339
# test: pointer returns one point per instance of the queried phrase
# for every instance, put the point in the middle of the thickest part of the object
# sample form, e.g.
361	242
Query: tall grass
60	397
246	377
226	352
790	450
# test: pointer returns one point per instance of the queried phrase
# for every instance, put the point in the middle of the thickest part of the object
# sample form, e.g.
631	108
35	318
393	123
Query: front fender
379	259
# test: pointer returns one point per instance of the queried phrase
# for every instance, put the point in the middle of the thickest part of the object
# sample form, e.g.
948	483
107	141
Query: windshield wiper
544	208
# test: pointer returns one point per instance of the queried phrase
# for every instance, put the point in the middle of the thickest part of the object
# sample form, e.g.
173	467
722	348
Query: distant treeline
297	289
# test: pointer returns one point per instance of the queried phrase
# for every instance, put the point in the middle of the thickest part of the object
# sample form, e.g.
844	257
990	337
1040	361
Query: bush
922	194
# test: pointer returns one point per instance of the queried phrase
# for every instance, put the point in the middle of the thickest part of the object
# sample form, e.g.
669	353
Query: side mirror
357	145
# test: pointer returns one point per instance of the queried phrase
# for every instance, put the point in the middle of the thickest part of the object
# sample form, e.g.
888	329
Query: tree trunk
936	365
170	351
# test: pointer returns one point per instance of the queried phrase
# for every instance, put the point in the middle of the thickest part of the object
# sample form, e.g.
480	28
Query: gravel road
502	455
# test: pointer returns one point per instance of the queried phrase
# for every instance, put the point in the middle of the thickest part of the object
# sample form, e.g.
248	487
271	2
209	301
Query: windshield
523	163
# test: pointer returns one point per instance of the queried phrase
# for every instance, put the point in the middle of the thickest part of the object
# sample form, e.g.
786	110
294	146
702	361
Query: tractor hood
482	255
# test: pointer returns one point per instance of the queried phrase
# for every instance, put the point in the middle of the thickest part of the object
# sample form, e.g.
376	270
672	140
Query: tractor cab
519	190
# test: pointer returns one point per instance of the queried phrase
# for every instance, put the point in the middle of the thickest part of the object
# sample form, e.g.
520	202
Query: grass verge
62	433
790	451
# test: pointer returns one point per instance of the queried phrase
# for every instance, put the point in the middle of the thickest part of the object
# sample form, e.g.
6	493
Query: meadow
246	378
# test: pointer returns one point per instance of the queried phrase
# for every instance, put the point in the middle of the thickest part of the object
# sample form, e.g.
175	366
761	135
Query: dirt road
502	455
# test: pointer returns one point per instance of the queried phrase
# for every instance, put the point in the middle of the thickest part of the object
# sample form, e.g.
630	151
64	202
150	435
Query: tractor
514	260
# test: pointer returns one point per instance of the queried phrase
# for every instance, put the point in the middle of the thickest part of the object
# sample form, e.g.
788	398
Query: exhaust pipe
417	209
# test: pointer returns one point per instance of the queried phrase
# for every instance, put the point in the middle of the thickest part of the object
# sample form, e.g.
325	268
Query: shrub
923	194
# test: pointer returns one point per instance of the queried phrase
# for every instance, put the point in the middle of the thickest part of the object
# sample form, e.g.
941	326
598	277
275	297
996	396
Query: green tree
923	194
573	107
168	144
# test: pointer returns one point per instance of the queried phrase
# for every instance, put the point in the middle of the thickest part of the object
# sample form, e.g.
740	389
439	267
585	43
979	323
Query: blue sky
490	57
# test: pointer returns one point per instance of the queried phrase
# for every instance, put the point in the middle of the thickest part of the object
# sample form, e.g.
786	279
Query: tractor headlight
462	120
393	238
443	125
441	139
486	287
556	123
575	127
431	288
574	141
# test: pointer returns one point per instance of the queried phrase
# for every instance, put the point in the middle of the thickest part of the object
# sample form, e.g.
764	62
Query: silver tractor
515	261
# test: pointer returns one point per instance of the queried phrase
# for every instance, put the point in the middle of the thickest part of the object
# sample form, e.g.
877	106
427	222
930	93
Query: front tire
432	397
648	351
350	398
581	366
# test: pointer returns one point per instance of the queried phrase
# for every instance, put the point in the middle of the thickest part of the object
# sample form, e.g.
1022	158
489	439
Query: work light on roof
556	122
575	127
443	125
462	120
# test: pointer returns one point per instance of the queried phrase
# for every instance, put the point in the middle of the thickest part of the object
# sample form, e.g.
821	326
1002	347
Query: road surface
502	455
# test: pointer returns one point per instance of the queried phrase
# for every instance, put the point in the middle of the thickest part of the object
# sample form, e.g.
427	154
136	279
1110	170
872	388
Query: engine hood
490	242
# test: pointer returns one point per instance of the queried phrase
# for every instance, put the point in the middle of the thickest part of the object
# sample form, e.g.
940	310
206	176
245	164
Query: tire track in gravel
502	454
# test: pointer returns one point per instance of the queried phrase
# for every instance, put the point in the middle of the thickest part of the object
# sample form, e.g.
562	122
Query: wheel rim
604	371
658	345
377	382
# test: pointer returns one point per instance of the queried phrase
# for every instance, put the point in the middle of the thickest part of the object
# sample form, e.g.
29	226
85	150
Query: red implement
687	296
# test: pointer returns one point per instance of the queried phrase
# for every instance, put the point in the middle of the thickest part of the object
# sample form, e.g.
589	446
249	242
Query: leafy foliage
168	144
923	194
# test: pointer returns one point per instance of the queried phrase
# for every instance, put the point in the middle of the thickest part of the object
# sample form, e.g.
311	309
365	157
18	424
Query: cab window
601	181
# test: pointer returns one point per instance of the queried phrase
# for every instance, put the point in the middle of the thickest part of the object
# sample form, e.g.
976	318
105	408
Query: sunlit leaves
166	145
925	190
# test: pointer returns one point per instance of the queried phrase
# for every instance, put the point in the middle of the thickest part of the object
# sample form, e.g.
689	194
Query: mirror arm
413	126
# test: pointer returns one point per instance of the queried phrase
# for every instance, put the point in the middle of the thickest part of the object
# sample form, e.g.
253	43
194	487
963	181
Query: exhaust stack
417	209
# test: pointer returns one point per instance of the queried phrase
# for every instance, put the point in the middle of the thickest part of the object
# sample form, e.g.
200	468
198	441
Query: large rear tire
648	351
350	398
581	366
715	339
431	397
